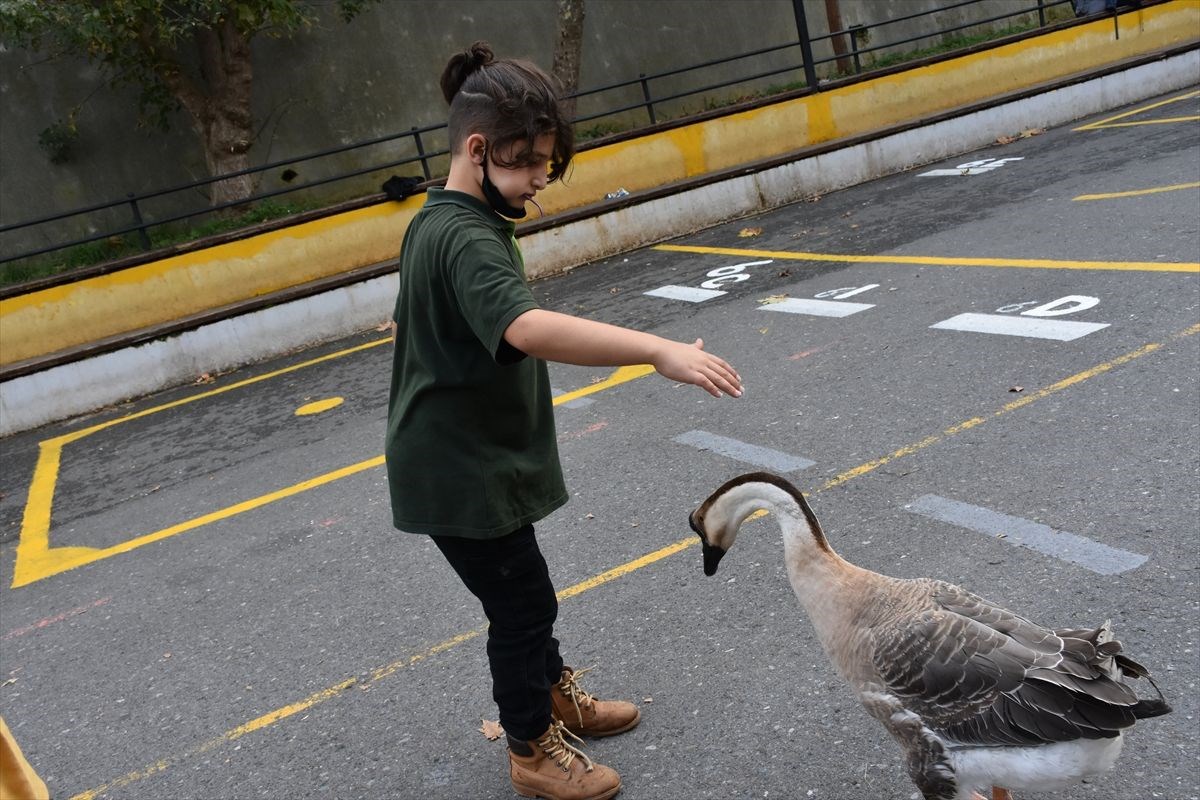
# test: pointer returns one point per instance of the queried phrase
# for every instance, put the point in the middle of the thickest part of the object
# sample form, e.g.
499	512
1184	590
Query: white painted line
816	308
1061	330
1024	533
689	293
746	453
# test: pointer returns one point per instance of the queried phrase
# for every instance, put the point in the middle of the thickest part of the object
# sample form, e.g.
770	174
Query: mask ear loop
496	200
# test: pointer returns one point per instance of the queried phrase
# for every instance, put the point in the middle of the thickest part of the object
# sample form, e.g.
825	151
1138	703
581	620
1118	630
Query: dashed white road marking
816	308
1070	547
746	453
691	294
1030	327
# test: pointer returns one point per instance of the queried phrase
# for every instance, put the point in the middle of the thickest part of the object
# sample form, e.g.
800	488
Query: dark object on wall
398	188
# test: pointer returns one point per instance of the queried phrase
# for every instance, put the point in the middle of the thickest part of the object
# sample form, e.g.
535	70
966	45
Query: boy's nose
539	181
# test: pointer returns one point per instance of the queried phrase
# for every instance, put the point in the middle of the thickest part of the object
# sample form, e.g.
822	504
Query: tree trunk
219	106
568	47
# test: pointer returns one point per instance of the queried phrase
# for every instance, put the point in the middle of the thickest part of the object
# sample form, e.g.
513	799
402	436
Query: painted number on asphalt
1018	319
979	167
710	288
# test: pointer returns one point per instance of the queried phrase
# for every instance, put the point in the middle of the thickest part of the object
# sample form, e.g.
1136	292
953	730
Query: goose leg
1000	793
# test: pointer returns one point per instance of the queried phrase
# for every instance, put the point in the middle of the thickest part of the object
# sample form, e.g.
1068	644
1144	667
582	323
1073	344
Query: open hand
689	363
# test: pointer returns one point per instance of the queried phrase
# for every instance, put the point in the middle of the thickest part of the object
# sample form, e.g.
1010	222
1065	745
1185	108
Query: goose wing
980	674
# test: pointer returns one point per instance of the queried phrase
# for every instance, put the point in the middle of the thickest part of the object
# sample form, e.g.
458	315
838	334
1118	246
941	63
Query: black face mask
495	199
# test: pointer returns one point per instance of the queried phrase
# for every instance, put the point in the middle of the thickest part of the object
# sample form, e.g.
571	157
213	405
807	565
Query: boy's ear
476	148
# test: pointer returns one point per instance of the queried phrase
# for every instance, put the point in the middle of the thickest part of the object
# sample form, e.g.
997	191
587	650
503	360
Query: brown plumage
976	695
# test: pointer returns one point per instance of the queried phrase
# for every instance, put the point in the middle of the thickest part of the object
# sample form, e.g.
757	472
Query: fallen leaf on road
205	378
491	730
1005	139
775	298
1017	389
746	233
1032	132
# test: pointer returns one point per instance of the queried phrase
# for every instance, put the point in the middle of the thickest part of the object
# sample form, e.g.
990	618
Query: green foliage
138	41
58	139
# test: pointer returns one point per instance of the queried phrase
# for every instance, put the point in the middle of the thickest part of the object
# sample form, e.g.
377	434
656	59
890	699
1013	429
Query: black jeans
510	578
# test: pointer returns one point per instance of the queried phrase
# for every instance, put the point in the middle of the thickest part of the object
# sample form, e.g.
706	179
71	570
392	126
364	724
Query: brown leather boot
583	714
557	770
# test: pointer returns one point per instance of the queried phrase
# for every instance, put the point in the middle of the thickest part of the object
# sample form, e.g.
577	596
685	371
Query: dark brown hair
508	101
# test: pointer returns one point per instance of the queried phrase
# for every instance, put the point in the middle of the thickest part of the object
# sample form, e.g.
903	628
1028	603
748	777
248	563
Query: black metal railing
416	140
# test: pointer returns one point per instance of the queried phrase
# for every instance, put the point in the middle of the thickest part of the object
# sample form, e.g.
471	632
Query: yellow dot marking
318	406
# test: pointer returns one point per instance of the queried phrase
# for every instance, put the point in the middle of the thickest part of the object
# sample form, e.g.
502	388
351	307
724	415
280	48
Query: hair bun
462	65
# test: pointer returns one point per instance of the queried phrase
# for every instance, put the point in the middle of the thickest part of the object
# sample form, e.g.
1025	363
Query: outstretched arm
573	340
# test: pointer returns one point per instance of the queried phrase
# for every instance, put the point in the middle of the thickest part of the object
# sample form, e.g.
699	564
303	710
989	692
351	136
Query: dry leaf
1016	389
746	233
785	273
385	326
813	198
1005	139
205	378
775	298
1032	132
614	290
589	516
763	331
491	730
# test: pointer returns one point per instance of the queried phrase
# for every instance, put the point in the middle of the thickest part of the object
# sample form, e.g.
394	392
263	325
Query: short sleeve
491	290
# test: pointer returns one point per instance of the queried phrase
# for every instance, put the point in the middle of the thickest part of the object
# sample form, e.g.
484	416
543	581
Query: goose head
717	519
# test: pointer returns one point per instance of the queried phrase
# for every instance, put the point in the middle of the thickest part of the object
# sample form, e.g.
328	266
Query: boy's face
521	181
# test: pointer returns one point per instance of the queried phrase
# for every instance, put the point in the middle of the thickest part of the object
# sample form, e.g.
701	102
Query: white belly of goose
976	695
1042	768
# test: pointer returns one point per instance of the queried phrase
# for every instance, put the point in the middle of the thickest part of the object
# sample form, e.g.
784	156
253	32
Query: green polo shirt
471	446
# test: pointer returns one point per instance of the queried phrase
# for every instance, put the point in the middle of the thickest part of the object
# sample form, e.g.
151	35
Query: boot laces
579	697
562	752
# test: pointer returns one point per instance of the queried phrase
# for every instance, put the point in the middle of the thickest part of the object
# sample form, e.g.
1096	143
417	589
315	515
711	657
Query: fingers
719	377
698	344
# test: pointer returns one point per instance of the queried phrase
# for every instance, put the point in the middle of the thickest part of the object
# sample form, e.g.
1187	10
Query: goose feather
975	694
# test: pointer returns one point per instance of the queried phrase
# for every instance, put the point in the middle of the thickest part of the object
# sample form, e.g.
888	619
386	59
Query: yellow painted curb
54	319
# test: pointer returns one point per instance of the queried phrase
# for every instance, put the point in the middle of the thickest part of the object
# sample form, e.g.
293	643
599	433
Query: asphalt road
211	603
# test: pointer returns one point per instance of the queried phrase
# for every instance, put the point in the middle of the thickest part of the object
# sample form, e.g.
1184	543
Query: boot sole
529	791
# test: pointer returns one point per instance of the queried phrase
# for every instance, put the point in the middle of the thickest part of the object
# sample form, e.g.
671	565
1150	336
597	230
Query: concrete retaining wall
62	391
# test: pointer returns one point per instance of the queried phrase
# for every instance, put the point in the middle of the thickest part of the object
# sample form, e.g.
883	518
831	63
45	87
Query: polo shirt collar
436	195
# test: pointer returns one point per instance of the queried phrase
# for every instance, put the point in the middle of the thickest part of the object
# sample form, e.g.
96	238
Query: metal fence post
137	218
854	29
810	70
646	97
416	134
1041	13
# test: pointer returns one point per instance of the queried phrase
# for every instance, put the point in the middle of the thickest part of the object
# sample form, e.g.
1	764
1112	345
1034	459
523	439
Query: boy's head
511	103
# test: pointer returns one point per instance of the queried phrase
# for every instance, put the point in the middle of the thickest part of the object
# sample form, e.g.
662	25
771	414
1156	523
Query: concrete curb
60	392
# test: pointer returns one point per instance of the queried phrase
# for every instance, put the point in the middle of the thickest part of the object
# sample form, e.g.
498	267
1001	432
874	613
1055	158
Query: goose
978	697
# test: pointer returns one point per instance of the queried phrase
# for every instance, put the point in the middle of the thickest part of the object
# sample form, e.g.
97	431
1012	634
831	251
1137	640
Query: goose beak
712	553
712	557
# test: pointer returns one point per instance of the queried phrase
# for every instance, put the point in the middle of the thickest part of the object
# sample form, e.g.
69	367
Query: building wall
337	84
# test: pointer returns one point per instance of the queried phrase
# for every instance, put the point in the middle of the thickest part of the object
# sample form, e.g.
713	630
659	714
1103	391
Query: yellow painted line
940	261
1138	192
37	559
613	574
1164	121
1107	122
